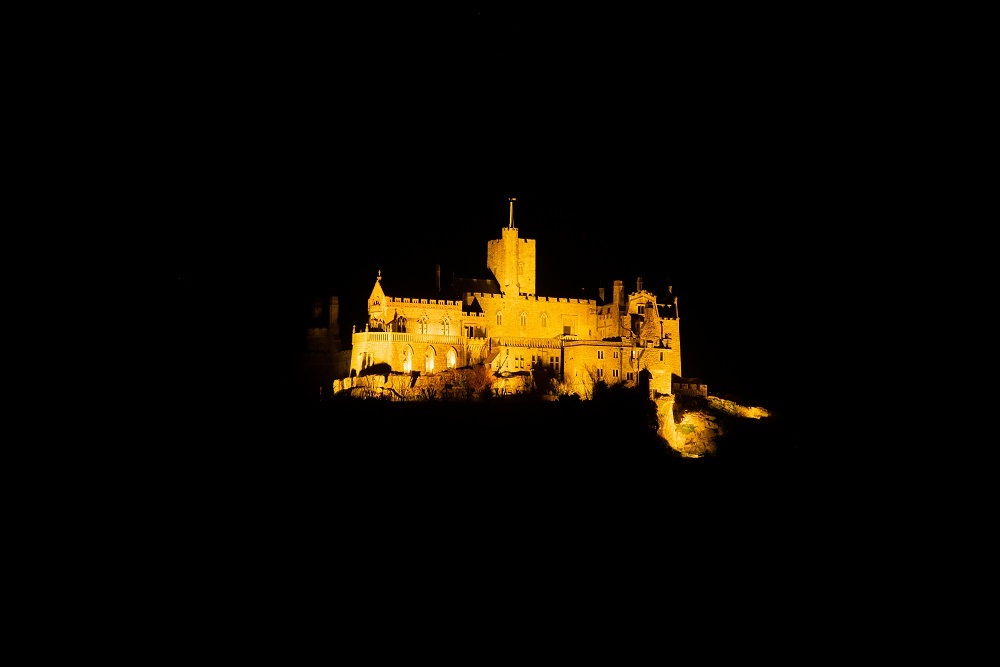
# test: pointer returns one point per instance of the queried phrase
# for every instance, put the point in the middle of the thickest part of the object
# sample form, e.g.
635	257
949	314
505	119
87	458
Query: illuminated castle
501	322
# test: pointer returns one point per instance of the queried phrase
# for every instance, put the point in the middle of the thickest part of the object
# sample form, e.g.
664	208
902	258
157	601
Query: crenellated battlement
535	297
426	302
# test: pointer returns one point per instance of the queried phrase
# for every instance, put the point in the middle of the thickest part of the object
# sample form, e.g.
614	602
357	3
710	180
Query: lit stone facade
500	321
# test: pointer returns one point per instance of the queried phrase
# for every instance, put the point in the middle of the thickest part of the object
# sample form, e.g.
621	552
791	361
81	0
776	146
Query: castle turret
618	295
512	260
377	304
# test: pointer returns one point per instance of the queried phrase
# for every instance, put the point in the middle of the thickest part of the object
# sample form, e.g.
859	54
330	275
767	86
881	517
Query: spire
511	200
379	278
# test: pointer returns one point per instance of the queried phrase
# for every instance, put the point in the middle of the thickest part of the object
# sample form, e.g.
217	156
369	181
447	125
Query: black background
300	154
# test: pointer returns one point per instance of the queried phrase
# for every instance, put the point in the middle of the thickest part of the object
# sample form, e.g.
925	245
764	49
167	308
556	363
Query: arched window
429	360
445	326
545	320
499	318
452	358
423	324
524	319
407	359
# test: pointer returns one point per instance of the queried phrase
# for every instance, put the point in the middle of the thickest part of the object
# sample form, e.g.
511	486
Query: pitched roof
464	286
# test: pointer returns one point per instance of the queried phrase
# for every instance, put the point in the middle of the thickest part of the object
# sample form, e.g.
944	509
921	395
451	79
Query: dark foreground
356	509
495	451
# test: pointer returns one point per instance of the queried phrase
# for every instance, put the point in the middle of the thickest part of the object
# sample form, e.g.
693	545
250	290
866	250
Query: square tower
512	261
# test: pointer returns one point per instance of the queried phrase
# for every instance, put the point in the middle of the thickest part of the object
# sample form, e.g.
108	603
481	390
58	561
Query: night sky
301	154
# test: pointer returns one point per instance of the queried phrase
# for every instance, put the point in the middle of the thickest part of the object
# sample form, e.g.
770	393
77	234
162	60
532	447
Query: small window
600	354
524	319
661	356
600	373
616	354
545	320
614	372
499	319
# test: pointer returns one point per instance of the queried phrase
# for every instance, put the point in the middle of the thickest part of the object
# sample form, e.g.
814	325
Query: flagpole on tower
512	200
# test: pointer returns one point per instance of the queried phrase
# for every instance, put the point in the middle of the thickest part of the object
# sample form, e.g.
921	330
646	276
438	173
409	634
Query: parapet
439	302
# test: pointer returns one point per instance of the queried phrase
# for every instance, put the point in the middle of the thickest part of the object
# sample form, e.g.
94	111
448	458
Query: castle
502	323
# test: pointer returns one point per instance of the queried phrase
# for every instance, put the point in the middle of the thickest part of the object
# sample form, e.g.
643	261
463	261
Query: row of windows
615	373
365	359
543	319
635	354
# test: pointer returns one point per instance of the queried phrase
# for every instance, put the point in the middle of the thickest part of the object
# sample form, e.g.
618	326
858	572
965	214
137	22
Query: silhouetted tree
480	380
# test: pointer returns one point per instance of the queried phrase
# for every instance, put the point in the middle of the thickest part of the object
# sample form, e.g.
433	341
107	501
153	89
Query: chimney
638	284
334	311
618	294
600	293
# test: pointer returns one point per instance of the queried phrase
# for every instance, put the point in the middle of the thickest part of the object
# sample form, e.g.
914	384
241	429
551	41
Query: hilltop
618	427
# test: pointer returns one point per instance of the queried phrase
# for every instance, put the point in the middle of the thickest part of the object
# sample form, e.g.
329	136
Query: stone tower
512	259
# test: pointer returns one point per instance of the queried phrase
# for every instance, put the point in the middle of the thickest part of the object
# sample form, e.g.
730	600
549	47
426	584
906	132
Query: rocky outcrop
693	428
